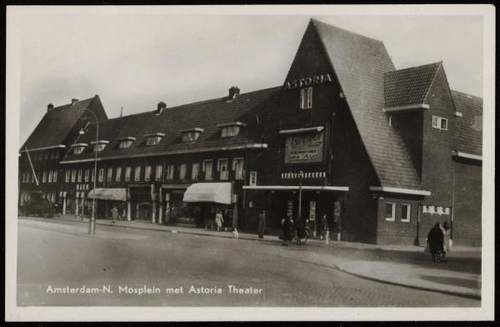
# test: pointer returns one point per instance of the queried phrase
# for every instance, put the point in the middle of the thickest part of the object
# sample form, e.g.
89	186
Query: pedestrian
435	242
219	220
287	230
300	228
114	213
262	223
324	227
446	239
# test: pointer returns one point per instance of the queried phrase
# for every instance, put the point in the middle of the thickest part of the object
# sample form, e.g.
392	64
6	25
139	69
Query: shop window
207	169
390	211
170	172
405	212
127	173
306	97
73	176
238	168
222	168
182	171
195	170
252	179
147	173
87	175
439	123
158	172
118	175
101	175
109	175
137	174
79	176
67	176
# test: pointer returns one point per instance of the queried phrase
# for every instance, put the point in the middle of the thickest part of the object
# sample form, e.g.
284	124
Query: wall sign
304	148
303	175
308	81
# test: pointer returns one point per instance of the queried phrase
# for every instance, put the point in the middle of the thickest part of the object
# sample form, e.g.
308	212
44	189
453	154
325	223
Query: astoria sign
308	81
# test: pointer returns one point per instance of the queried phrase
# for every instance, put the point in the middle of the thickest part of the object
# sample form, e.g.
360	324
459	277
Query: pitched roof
205	114
56	124
360	64
410	85
469	129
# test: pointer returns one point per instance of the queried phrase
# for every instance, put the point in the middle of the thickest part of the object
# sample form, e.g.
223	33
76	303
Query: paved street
112	268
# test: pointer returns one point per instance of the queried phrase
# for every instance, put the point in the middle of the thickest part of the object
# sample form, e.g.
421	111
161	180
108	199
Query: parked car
38	206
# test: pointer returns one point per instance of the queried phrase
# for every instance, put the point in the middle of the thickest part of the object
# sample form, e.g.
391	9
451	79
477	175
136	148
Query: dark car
38	206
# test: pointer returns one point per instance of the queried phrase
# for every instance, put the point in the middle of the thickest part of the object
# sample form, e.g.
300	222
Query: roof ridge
316	21
69	104
466	94
415	67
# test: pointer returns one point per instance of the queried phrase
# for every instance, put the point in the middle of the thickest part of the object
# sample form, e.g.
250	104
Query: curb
331	266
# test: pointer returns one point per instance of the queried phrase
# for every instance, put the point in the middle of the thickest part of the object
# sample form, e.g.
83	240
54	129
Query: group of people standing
439	241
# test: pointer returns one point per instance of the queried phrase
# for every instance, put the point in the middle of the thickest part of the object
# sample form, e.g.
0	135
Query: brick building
386	153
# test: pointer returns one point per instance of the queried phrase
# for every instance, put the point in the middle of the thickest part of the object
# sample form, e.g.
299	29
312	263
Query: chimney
73	101
161	106
50	107
234	91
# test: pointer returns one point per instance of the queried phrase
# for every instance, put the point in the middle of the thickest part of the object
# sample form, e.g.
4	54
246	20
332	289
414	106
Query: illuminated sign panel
304	148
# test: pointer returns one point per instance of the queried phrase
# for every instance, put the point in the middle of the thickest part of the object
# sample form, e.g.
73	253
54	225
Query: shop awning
208	192
115	194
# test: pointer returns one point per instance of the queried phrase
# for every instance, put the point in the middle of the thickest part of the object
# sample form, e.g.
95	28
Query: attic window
126	142
78	148
439	123
306	98
230	129
154	139
191	135
99	145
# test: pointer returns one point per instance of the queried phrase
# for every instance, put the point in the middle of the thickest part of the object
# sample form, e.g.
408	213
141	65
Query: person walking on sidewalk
219	220
445	228
287	230
435	239
114	214
262	223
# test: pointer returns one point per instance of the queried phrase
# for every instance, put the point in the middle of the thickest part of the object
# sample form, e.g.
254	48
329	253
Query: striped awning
114	194
208	192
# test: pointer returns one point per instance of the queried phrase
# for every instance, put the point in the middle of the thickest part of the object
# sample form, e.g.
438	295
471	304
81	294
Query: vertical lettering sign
304	148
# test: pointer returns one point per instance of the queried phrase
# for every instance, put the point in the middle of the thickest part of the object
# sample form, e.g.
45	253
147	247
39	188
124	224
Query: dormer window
99	145
230	129
154	139
78	148
126	142
192	134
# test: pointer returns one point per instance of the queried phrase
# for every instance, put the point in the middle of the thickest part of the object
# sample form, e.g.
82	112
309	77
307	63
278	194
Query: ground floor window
405	212
390	211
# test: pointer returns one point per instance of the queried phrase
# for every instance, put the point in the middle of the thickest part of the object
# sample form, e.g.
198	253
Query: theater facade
383	152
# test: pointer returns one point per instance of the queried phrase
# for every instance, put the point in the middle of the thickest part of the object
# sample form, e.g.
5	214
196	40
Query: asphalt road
59	264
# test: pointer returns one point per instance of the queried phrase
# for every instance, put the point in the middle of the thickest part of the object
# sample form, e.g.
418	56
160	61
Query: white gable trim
466	155
399	190
407	107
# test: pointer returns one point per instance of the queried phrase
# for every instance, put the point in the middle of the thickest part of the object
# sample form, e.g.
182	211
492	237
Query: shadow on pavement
455	281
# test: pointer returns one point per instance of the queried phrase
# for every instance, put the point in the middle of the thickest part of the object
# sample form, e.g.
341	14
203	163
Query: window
137	173
73	175
207	169
439	123
252	179
170	172
50	176
191	135
158	172
79	176
101	175
229	131
154	139
222	168
100	146
67	176
118	175
390	211
127	174
126	142
87	175
147	173
44	176
306	97
182	171
405	212
238	168
195	170
78	148
109	175
54	177
92	175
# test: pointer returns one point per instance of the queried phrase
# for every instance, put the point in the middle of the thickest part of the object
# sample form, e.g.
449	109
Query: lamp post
92	217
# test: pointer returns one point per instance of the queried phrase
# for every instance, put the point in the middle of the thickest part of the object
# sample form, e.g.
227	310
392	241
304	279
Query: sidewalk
406	266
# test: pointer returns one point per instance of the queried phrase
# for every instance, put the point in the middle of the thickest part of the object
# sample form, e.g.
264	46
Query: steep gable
469	128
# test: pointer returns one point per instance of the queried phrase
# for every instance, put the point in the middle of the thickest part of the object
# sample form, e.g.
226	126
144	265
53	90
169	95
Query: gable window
118	175
147	173
99	145
170	172
405	212
158	172
137	173
238	168
154	139
126	142
191	135
306	97
230	129
101	175
195	170
439	123
127	174
207	169
390	211
109	176
182	171
78	148
222	168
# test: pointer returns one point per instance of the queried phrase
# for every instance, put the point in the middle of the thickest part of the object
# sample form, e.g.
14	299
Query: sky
133	60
